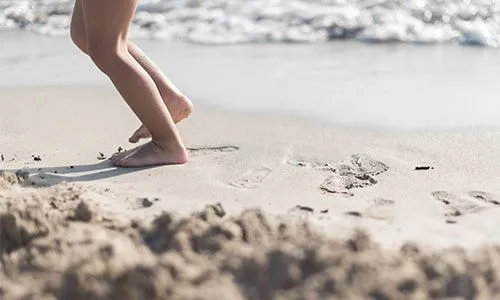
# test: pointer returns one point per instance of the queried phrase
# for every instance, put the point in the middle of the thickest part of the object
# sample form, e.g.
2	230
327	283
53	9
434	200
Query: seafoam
466	22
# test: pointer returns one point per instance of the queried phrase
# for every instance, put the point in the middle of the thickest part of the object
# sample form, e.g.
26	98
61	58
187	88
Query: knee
79	38
107	57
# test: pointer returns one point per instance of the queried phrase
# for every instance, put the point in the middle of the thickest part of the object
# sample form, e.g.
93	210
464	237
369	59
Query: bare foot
180	107
150	154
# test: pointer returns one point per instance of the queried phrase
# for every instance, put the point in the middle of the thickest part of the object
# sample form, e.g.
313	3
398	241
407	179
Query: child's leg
178	105
106	24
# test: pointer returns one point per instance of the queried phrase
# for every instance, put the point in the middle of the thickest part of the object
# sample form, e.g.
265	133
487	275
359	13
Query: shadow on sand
48	176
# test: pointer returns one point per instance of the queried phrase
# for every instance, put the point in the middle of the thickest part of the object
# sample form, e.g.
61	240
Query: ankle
171	146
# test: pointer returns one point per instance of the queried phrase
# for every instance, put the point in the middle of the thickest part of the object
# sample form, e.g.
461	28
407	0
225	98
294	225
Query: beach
337	170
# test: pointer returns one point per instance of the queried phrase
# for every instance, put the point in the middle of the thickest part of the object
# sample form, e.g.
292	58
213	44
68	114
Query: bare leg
106	24
179	106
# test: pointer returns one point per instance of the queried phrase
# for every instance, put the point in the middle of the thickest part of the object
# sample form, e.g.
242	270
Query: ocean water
463	22
349	83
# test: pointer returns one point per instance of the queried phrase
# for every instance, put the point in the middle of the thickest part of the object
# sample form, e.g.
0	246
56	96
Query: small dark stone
306	208
53	205
354	213
423	168
36	157
2	157
120	149
71	167
55	171
324	211
451	221
101	156
146	202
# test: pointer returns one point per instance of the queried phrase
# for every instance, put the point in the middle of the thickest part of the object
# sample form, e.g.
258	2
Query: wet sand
342	83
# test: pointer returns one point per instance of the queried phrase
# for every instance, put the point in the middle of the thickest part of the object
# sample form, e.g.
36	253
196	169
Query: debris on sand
423	168
101	156
304	208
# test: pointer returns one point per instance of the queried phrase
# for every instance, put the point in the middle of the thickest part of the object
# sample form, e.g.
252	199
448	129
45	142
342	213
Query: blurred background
283	21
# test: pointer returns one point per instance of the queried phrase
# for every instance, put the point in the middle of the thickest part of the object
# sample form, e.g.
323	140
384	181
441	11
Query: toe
134	138
141	133
126	162
118	156
118	162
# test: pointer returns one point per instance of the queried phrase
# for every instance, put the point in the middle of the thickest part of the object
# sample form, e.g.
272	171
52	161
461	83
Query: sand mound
55	243
8	179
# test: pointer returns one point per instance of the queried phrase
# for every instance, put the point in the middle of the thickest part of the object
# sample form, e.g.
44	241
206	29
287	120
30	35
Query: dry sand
55	244
269	207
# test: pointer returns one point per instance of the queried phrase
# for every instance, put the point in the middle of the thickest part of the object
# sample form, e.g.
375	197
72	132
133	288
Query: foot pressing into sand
179	106
151	154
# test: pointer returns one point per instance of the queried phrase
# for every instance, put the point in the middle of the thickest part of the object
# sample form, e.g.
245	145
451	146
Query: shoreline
387	86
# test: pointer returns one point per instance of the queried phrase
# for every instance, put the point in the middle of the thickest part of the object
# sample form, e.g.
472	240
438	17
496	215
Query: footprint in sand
366	165
306	212
251	179
484	197
379	208
342	184
211	150
322	166
358	173
455	206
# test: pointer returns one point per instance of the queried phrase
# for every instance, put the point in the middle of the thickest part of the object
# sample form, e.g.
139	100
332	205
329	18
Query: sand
272	205
56	244
364	178
269	207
